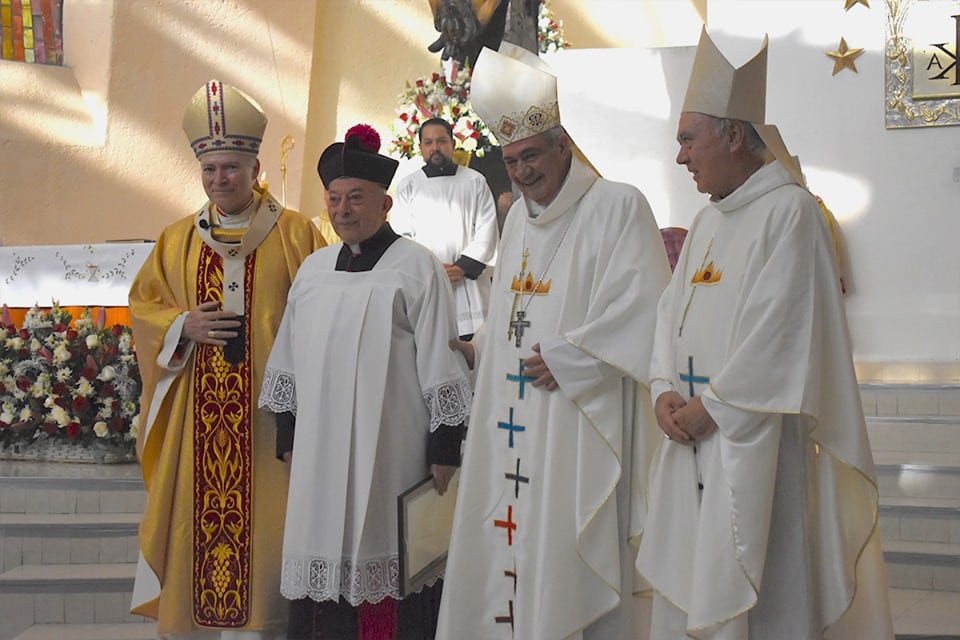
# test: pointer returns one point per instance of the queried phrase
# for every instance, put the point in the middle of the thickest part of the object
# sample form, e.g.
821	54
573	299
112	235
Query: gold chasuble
211	532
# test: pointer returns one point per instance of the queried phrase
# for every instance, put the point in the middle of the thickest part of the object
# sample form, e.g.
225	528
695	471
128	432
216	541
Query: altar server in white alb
763	502
362	359
449	209
540	546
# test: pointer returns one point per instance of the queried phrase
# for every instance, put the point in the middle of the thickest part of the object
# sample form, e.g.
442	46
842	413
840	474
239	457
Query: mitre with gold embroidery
223	118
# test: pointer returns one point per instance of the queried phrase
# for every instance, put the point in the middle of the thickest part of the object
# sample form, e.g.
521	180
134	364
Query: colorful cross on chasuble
520	378
223	456
691	378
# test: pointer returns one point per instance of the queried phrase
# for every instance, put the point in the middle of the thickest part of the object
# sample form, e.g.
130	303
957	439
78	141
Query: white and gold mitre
514	93
223	118
719	89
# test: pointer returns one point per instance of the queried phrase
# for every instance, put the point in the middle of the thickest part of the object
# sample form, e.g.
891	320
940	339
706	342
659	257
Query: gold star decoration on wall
849	3
843	57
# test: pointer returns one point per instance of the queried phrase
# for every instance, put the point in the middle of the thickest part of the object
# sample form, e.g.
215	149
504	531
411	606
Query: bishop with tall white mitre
763	521
543	518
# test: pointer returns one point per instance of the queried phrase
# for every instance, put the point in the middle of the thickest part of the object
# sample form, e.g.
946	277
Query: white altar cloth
72	275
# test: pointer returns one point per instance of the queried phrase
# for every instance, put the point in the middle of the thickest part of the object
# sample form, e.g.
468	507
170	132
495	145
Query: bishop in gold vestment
205	308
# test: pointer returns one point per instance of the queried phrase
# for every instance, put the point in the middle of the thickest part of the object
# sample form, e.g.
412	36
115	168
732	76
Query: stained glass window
31	31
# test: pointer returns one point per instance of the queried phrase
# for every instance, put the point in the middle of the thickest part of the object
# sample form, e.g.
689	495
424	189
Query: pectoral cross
518	325
518	294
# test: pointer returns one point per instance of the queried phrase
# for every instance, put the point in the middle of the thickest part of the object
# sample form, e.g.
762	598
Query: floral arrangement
549	30
446	95
70	380
440	95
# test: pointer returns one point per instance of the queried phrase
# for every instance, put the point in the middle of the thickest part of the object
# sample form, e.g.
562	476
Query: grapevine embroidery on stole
223	455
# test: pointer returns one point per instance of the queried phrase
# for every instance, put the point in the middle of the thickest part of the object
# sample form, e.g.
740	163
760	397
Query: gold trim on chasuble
223	455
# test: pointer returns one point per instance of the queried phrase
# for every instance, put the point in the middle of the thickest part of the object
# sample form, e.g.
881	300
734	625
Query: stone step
914	433
923	565
903	399
920	520
35	487
65	594
918	474
120	631
69	578
76	538
929	615
69	525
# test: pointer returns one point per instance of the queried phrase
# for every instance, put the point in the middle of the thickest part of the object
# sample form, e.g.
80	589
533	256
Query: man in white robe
763	516
449	209
540	546
362	359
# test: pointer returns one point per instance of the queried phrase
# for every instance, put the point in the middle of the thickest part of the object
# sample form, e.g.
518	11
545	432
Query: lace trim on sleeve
448	403
279	392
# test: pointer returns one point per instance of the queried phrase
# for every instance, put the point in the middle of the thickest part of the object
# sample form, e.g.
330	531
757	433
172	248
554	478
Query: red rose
435	77
23	384
60	401
71	334
474	134
404	116
116	424
419	83
60	389
59	328
456	111
117	330
448	91
3	425
24	334
107	390
73	430
80	404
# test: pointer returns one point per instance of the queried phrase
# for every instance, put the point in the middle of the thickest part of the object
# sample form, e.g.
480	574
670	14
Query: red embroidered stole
223	457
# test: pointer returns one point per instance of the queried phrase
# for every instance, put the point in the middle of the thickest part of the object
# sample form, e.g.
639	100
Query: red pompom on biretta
364	137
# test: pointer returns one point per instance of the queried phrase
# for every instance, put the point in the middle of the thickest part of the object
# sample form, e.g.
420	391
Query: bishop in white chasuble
540	544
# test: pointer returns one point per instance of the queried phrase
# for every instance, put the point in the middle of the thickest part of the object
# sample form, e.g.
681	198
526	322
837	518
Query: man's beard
437	159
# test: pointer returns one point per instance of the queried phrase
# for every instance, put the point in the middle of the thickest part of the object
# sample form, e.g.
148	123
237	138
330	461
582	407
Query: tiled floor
925	613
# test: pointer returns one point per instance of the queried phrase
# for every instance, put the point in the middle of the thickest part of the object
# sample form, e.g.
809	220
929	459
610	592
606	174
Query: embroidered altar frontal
223	492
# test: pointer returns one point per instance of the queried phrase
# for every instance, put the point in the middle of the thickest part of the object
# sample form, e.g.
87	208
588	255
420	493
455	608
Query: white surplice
452	216
539	547
784	533
363	360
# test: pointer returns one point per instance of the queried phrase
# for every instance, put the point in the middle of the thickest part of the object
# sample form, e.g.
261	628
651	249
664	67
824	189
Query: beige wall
95	151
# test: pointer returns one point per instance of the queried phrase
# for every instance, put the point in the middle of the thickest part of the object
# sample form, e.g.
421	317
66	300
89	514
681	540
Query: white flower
134	428
107	373
59	415
61	354
49	402
25	414
125	343
84	388
63	374
16	343
34	345
101	430
127	407
3	333
41	387
4	368
7	416
93	341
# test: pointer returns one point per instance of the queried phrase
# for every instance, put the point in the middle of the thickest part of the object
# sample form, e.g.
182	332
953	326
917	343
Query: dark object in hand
234	351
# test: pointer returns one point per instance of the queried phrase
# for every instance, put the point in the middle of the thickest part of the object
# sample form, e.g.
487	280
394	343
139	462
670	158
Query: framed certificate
425	519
